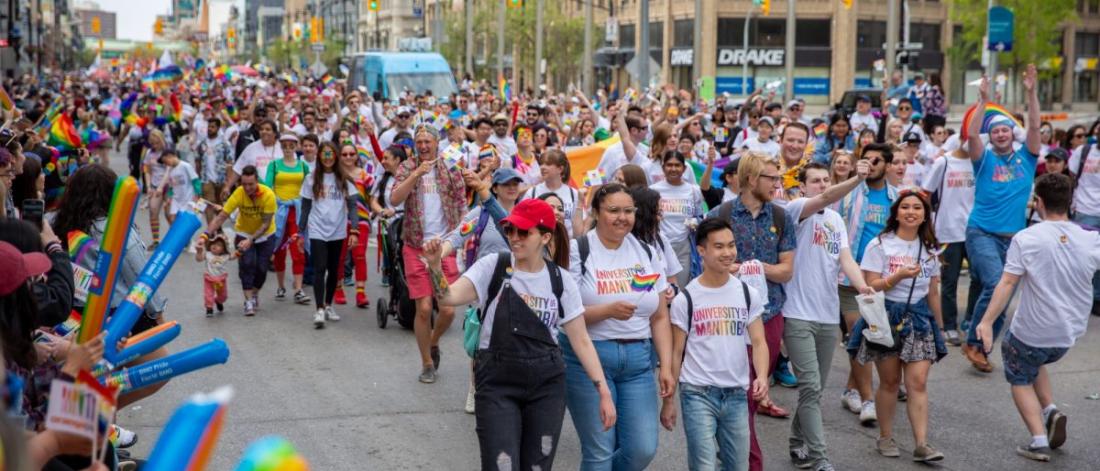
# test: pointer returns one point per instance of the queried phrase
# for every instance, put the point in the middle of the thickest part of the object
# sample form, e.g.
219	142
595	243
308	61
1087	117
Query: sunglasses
513	231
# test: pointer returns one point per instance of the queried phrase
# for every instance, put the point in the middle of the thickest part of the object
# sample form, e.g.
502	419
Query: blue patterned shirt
758	239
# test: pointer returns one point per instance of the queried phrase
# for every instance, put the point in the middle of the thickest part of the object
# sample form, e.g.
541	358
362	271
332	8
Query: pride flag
583	159
327	79
505	90
992	110
63	134
177	108
93	138
5	101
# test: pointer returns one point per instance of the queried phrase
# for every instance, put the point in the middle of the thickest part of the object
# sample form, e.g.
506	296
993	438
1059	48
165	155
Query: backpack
583	249
691	307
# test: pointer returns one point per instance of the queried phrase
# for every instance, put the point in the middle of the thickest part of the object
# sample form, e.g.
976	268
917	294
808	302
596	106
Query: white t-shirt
156	169
534	288
259	155
811	293
506	147
656	173
610	277
387	137
432	205
956	196
914	174
769	147
678	204
1086	198
715	354
1056	262
886	254
328	215
568	196
860	122
667	256
179	178
615	157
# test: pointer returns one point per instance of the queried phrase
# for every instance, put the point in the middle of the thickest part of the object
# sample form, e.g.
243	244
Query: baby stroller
398	305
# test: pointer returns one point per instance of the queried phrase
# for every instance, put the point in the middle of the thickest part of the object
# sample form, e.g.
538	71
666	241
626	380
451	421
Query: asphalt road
348	398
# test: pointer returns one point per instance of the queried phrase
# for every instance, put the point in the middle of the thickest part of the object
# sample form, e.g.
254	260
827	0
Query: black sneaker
902	395
280	294
1041	453
220	307
1056	429
800	457
435	357
1096	308
209	312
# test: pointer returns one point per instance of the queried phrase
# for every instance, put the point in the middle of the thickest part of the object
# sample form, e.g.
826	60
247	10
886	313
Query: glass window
870	34
768	32
683	33
1087	44
656	34
813	33
730	31
927	34
626	36
440	83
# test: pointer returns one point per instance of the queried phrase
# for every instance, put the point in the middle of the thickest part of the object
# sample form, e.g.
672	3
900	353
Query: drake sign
768	57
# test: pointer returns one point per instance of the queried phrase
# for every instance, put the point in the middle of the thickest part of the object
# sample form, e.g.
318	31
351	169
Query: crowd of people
703	271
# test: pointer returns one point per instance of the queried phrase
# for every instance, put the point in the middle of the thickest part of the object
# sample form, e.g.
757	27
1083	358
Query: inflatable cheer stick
272	453
150	278
148	341
112	249
128	379
188	439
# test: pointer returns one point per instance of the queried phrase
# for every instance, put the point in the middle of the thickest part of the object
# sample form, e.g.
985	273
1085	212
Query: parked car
847	102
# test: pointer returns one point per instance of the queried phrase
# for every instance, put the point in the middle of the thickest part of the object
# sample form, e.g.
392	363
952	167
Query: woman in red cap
518	369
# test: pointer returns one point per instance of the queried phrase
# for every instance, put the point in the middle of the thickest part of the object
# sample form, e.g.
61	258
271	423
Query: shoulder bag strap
500	275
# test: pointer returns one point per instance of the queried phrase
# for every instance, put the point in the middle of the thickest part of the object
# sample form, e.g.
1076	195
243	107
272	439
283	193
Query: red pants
358	254
289	243
214	289
773	333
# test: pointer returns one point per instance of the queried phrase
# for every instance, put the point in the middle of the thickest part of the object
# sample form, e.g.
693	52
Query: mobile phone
32	211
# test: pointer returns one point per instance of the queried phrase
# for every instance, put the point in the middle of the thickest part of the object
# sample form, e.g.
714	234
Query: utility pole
437	26
891	37
468	6
745	46
992	74
538	46
586	71
500	38
642	50
697	43
788	56
905	40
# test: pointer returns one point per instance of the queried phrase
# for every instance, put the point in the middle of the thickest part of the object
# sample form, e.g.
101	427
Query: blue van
391	73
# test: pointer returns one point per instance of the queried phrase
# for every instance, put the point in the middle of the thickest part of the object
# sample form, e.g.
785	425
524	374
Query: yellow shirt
286	181
252	210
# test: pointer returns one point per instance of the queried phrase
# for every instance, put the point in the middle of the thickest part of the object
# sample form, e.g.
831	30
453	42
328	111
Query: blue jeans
628	369
715	418
1093	221
986	253
953	257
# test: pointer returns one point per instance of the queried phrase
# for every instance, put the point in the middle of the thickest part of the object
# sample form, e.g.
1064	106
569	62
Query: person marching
285	177
902	262
255	228
1053	263
709	355
215	276
363	181
519	369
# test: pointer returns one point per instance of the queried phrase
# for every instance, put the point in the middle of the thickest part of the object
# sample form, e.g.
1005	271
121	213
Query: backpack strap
556	285
500	275
748	299
690	312
779	216
583	250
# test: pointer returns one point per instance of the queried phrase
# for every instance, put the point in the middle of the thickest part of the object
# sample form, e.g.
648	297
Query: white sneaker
331	314
850	400
470	400
867	416
319	319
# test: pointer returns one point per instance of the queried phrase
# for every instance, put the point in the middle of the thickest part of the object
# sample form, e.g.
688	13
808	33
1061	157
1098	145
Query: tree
1037	35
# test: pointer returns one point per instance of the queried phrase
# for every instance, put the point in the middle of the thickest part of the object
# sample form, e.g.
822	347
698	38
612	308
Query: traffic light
374	5
231	37
316	30
766	7
847	4
515	3
95	25
158	27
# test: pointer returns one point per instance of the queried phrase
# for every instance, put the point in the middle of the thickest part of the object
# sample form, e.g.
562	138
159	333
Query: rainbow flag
505	90
820	130
223	72
992	110
92	138
177	108
5	100
583	159
63	134
644	283
232	112
327	79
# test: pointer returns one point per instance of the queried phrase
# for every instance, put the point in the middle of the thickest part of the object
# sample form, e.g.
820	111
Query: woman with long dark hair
1075	137
519	369
328	210
839	136
681	208
902	262
380	201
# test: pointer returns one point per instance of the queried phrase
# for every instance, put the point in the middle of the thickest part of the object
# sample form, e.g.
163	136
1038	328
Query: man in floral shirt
212	156
435	199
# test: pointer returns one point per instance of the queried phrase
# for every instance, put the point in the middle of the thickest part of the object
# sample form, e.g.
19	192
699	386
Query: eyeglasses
348	154
1079	136
617	211
511	231
772	177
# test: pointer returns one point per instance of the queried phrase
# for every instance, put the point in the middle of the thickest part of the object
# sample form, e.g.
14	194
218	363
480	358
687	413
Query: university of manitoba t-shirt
535	289
811	293
954	179
628	274
887	254
715	354
678	204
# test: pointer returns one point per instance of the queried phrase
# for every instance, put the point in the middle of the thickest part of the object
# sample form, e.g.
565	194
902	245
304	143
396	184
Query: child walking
214	277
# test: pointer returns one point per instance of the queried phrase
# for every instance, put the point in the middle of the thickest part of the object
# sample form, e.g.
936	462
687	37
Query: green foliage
285	54
1037	36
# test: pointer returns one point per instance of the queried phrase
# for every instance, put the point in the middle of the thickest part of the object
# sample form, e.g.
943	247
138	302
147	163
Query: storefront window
813	33
683	33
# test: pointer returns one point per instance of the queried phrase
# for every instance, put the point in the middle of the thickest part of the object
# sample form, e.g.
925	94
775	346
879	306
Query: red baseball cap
530	213
19	267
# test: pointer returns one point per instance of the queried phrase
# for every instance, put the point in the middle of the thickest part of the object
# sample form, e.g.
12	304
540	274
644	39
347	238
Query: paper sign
706	89
594	177
82	278
880	65
73	409
721	134
452	157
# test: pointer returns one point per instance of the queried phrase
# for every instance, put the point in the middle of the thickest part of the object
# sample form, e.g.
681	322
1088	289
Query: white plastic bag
873	310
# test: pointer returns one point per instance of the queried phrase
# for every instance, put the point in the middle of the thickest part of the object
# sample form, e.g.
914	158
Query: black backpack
691	307
583	249
504	262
